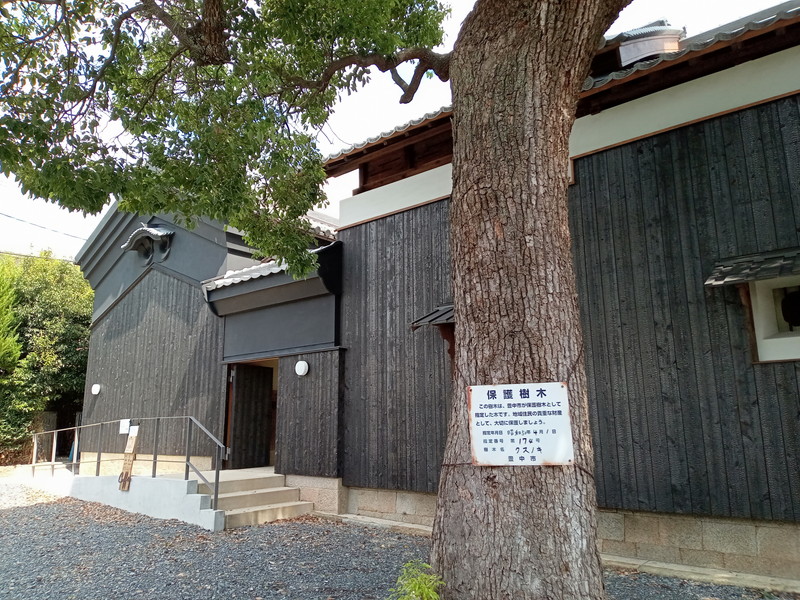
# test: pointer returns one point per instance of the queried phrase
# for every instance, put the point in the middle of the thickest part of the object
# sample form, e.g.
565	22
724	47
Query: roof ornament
151	242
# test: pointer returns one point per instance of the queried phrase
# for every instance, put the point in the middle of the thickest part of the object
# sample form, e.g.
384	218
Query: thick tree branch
428	60
401	83
205	40
212	33
180	32
412	87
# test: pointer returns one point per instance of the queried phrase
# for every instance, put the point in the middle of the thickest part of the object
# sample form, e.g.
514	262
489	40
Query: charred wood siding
309	414
683	420
157	353
397	382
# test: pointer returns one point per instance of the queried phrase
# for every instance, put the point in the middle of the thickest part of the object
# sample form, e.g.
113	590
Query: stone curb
393	526
717	576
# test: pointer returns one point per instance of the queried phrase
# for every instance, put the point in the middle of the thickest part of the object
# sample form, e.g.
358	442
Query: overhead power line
18	255
42	227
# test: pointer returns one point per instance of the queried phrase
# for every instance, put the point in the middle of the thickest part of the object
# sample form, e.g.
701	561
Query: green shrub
417	582
45	312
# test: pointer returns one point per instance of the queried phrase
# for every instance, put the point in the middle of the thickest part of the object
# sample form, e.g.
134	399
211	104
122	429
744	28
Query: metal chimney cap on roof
651	40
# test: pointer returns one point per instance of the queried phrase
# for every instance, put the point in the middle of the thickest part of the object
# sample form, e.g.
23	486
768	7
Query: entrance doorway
250	416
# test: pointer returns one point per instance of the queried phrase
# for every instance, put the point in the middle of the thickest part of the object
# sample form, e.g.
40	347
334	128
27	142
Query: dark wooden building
685	222
155	347
685	217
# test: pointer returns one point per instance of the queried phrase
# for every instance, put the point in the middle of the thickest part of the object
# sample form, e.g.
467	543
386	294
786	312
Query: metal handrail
220	452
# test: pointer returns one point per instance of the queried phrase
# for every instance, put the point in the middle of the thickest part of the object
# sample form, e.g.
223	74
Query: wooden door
249	416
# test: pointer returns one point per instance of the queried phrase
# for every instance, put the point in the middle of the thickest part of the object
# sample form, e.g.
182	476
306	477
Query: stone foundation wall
758	547
405	507
327	494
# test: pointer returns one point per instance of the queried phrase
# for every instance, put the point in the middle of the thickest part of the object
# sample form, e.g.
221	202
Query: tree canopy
193	108
49	313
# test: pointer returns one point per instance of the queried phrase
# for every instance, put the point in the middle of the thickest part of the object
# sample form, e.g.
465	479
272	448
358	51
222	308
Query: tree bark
517	532
212	34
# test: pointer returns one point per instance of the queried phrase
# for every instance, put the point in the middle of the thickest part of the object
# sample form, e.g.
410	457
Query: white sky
28	226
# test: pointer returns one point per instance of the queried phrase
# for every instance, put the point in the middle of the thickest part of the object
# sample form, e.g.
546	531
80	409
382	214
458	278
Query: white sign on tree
522	424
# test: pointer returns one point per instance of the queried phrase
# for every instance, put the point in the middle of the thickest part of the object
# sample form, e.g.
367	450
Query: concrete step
228	485
242	517
260	497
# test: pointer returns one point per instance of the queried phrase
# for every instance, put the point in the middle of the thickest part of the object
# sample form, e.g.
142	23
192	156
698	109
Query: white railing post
53	453
35	454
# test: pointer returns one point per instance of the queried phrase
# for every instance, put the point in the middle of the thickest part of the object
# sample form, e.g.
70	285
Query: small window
776	317
773	279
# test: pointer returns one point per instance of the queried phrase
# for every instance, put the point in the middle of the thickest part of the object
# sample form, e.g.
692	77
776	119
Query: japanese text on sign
520	424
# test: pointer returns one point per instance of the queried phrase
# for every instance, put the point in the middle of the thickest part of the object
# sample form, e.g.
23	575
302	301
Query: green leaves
102	99
417	581
50	313
9	341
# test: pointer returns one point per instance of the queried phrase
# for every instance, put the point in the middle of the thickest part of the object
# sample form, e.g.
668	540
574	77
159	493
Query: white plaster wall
739	86
397	196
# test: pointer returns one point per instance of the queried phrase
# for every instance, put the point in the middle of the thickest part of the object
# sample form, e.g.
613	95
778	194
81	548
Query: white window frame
772	344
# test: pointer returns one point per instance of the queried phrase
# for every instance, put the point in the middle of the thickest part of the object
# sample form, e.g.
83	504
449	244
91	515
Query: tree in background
218	101
10	349
9	340
51	312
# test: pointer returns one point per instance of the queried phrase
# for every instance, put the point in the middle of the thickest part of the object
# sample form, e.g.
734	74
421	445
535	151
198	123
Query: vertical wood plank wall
397	382
156	353
309	413
683	420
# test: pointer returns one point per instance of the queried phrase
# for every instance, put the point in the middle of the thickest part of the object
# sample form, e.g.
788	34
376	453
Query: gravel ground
61	548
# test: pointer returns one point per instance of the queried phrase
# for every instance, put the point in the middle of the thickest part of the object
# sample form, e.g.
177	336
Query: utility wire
18	255
42	226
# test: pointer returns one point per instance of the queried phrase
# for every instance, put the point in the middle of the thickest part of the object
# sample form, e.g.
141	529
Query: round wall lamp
95	389
301	368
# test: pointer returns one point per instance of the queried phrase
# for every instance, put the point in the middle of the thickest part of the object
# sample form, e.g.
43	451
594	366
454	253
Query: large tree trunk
517	532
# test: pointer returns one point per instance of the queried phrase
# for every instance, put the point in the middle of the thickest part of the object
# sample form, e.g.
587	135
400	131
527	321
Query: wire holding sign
521	424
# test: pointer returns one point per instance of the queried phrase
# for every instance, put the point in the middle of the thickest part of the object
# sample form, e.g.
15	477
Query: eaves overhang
269	284
347	159
441	315
755	267
753	37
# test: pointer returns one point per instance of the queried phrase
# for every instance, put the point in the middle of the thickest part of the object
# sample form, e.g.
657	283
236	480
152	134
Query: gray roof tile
265	269
441	315
753	267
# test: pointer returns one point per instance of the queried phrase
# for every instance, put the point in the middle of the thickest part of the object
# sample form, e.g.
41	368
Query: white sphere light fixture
95	389
301	368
